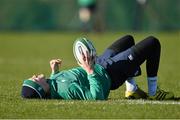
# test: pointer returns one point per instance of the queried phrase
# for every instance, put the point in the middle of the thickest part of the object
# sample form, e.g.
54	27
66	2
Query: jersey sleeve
53	74
96	86
95	92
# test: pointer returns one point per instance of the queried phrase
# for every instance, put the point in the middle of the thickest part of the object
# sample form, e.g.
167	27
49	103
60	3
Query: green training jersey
77	84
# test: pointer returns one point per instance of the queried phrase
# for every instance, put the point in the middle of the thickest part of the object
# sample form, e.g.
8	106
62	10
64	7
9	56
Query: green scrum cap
31	89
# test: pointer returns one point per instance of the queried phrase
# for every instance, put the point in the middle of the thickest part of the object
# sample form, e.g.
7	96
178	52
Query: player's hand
55	64
86	64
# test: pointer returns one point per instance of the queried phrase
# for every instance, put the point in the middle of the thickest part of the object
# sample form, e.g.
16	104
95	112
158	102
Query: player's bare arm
55	64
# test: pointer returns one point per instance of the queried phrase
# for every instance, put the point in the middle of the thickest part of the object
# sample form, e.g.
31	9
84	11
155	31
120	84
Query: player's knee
154	41
130	39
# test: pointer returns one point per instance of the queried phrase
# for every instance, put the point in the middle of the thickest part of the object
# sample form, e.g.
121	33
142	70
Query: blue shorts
119	66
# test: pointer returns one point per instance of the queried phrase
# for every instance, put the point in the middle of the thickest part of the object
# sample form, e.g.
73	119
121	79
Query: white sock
131	84
152	85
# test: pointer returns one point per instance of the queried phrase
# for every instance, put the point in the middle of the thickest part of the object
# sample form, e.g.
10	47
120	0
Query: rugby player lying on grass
119	64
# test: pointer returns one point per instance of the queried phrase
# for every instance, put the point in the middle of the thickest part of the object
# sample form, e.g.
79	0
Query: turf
23	54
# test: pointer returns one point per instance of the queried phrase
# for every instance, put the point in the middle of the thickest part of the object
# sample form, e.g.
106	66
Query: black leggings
148	49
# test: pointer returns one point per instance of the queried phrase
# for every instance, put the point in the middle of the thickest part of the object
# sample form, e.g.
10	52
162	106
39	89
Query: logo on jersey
63	80
130	57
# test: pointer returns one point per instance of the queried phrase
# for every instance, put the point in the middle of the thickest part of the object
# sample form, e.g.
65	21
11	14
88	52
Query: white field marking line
149	102
121	102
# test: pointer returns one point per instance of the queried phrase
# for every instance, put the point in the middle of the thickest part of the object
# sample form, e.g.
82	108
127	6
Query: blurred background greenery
113	15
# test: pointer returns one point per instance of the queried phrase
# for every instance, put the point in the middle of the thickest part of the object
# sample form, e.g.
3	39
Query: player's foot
161	95
138	94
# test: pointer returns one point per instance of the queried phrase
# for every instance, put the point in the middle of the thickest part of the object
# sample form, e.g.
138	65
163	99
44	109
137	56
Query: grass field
24	54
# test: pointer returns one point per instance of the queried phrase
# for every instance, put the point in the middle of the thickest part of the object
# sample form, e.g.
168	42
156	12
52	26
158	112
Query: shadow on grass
176	98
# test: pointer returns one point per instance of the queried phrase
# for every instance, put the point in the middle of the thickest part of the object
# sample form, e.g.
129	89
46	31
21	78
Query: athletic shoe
138	94
161	95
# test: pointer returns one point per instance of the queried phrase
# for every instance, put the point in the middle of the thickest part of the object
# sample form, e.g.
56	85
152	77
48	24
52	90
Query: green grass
24	54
